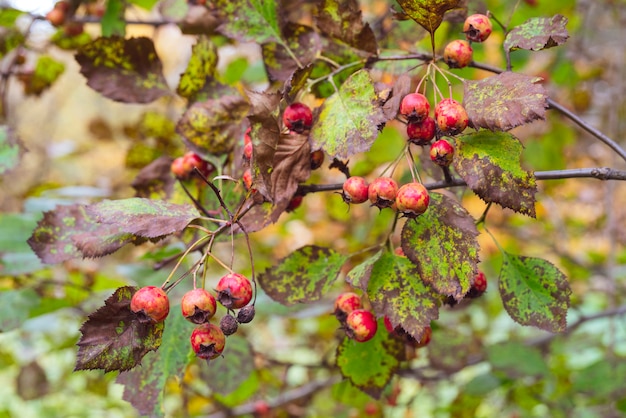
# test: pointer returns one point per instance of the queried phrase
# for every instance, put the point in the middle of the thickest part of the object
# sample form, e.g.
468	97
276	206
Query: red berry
477	28
441	153
451	117
346	303
198	305
247	151
234	291
382	192
73	28
298	117
458	54
247	180
193	160
388	326
355	190
294	203
478	287
208	341
361	325
246	136
56	17
415	107
420	133
317	159
412	200
178	168
399	252
150	304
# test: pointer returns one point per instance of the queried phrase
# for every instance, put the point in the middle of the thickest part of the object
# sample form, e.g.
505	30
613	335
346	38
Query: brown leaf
155	179
303	42
342	19
504	101
401	88
538	33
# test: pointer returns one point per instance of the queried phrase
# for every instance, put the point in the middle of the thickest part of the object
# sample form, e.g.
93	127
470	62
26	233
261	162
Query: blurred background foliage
81	147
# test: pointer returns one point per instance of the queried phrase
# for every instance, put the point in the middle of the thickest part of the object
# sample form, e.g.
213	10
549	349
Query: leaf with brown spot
504	101
303	276
538	33
428	13
124	70
303	42
396	290
442	244
342	20
112	337
215	124
489	162
534	292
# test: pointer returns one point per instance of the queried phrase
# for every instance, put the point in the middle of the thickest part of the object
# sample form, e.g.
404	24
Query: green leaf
113	22
9	40
442	244
517	360
145	4
8	16
234	368
504	101
16	257
489	162
303	276
370	365
395	289
11	149
348	122
15	307
112	337
144	385
360	275
603	379
250	20
47	71
201	66
538	33
145	218
124	70
428	13
534	292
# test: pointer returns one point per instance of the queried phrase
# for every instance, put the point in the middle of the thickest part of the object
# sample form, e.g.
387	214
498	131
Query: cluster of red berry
383	192
458	53
183	167
234	291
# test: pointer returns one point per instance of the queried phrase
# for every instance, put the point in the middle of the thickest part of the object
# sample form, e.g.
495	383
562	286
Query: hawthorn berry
247	180
412	200
317	159
247	151
246	136
208	341
399	252
150	304
451	116
234	291
426	337
298	117
58	14
441	153
458	54
382	192
477	27
228	324
421	133
294	203
198	305
246	314
415	107
355	190
361	325
71	29
478	287
346	303
183	167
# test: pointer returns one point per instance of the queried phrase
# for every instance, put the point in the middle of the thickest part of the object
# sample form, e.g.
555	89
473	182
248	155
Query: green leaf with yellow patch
9	40
489	162
112	337
349	120
303	276
534	292
301	42
124	70
504	101
250	20
428	13
442	244
46	72
370	365
395	289
201	66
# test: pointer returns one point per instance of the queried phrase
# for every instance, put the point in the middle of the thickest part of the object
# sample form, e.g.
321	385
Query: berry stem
187	251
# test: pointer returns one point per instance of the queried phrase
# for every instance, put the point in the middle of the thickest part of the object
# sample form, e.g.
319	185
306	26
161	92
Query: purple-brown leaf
504	101
538	33
342	20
